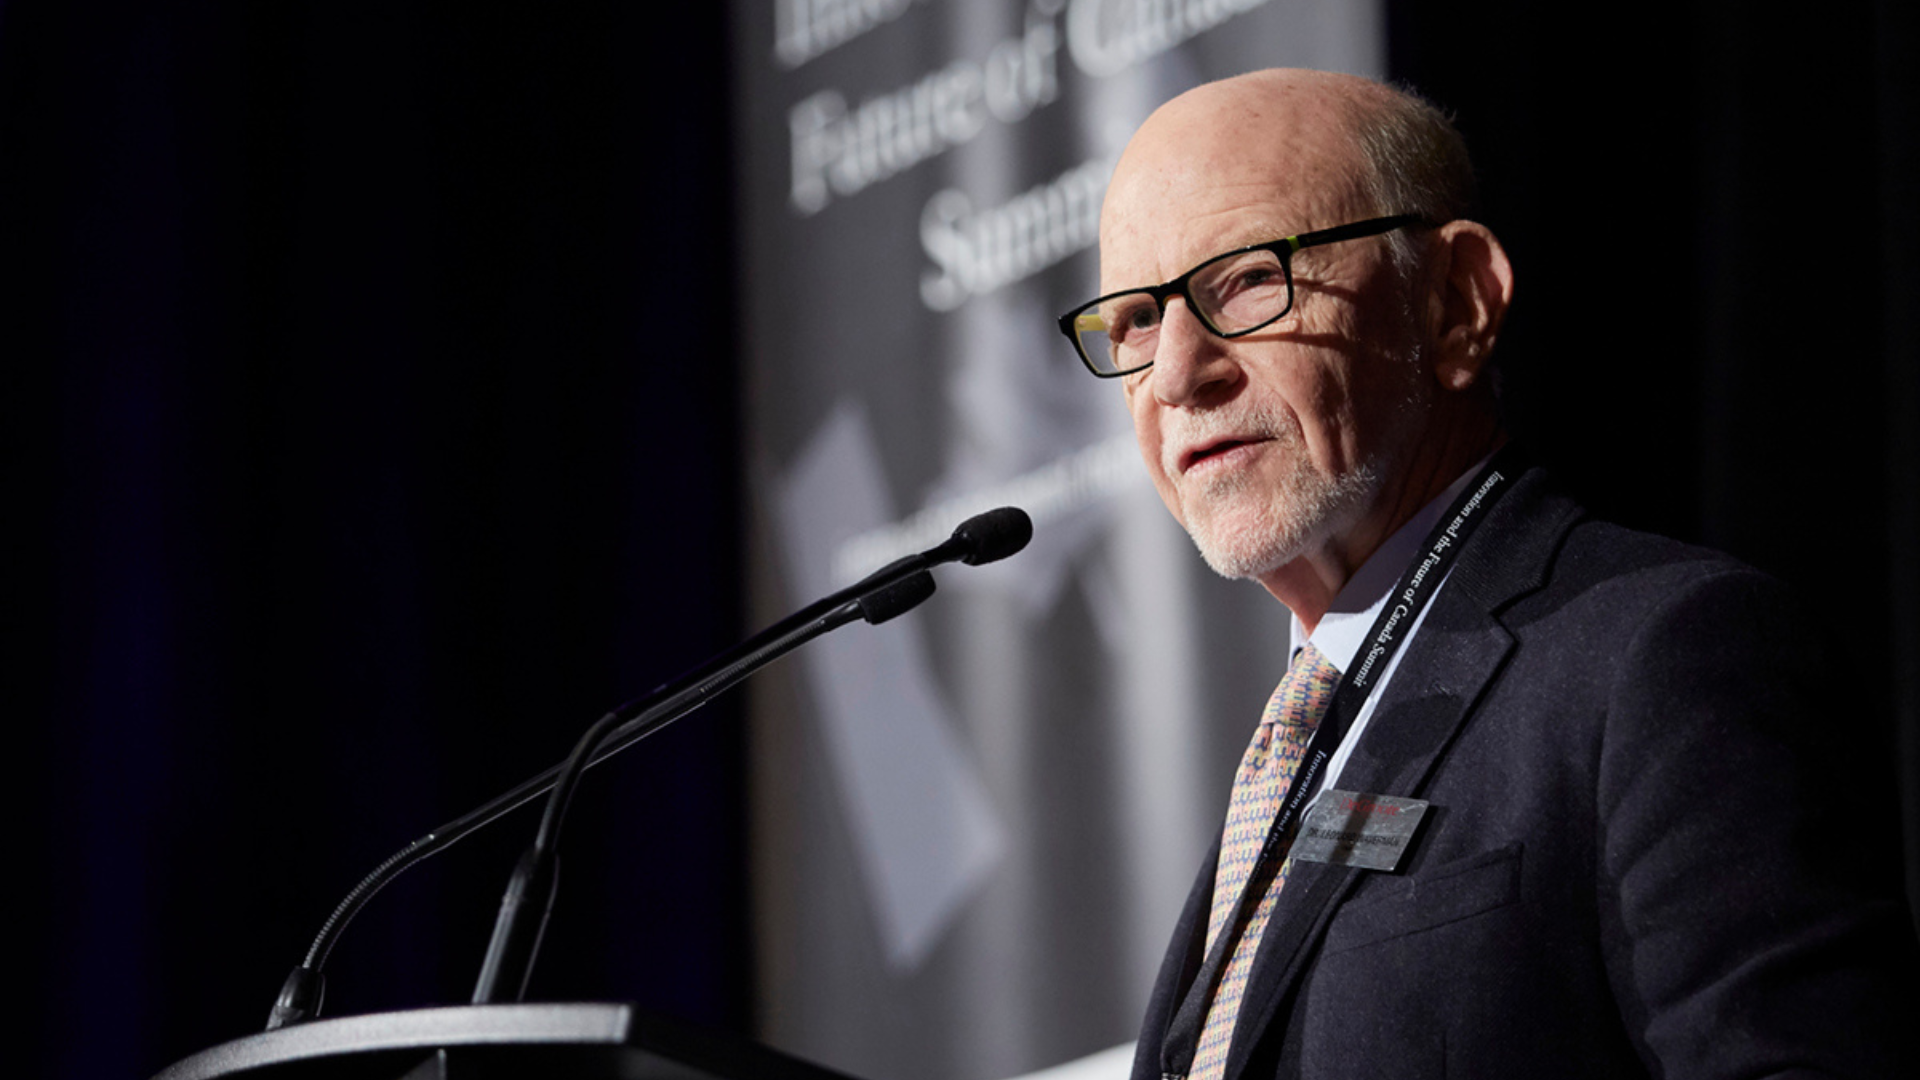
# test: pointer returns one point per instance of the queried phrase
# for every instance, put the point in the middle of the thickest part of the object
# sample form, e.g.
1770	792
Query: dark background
371	425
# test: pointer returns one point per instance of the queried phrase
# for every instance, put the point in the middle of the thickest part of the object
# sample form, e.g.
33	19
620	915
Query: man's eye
1242	291
1253	277
1255	273
1133	320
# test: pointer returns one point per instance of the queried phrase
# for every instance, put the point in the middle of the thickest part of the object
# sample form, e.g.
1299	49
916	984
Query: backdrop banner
974	826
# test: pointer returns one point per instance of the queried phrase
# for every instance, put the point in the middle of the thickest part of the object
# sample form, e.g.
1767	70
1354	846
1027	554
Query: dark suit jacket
1641	856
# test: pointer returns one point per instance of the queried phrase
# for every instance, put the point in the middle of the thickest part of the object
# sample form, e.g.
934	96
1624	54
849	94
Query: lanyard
1409	597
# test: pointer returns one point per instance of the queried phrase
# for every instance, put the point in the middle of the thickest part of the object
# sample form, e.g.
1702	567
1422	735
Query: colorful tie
1259	787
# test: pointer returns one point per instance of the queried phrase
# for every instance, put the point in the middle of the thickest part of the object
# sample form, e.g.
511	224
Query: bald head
1271	117
1222	148
1342	146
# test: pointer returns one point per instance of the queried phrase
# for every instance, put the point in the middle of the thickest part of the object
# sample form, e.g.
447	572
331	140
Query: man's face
1279	443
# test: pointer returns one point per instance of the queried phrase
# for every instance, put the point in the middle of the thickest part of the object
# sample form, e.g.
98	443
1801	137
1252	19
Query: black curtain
1716	332
371	430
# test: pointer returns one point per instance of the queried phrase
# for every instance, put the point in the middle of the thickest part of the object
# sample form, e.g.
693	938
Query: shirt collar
1350	616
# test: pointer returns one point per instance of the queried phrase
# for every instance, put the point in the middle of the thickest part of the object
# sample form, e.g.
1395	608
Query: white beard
1245	525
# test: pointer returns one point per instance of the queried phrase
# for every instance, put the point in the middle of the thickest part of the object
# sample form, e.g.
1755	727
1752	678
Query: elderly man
1538	796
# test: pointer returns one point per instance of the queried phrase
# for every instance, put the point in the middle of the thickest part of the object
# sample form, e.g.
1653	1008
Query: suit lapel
1457	654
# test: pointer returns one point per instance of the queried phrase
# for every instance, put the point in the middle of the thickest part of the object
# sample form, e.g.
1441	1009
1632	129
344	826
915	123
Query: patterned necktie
1259	787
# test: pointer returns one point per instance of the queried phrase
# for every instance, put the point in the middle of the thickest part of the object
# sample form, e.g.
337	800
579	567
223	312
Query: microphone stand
882	595
529	897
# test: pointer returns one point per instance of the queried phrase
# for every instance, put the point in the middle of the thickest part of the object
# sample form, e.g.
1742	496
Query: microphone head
993	536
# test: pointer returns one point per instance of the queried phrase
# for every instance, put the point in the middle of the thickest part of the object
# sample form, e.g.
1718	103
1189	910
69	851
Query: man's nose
1191	363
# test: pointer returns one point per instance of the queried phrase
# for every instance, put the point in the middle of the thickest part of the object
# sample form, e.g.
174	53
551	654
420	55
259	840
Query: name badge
1349	828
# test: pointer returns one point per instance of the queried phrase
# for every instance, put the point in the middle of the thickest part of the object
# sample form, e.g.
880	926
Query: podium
494	1042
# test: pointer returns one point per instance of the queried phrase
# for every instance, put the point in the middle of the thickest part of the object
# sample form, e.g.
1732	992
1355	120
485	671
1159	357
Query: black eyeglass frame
1283	247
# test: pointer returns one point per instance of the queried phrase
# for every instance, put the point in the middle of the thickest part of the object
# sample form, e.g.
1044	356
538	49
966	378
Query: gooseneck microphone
984	538
882	595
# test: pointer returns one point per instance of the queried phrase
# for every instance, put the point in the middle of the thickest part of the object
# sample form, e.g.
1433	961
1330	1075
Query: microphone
885	594
524	909
985	538
528	900
981	539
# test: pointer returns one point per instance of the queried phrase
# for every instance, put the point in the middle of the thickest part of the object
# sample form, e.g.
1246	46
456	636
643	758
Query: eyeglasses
1233	294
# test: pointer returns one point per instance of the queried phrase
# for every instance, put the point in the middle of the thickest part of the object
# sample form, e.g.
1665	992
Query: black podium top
484	1042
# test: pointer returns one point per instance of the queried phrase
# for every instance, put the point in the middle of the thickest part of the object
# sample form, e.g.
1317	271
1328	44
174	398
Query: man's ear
1472	284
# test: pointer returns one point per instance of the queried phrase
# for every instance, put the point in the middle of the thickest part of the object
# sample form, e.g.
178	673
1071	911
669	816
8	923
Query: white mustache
1192	431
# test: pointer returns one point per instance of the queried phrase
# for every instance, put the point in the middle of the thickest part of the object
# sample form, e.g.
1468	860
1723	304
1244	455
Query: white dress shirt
1343	629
